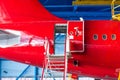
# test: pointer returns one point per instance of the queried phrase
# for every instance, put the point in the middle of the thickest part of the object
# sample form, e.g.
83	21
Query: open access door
75	33
60	39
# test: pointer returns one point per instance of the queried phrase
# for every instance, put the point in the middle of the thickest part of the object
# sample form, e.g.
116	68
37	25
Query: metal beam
85	15
36	75
94	2
23	72
88	12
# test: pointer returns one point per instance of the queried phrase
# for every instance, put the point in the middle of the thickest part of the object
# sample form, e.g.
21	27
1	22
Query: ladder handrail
65	55
43	71
46	46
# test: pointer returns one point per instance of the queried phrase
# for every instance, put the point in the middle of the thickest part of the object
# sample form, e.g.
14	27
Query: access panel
76	36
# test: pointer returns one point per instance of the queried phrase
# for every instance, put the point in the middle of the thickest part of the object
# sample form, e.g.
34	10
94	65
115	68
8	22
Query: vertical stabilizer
24	10
3	14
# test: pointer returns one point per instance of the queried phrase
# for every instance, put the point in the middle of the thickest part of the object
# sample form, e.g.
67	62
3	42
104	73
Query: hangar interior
66	9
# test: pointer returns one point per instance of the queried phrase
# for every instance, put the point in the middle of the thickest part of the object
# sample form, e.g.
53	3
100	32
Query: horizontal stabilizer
8	39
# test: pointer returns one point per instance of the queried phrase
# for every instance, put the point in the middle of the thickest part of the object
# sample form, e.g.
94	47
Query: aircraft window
95	37
113	36
104	37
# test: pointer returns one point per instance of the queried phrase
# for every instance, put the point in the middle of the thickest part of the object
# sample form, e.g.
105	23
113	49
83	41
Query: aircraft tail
24	10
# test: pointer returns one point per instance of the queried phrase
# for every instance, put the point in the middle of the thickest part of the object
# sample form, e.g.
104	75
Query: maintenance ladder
56	64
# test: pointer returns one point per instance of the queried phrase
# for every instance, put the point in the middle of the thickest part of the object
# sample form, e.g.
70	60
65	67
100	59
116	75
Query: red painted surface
101	58
76	33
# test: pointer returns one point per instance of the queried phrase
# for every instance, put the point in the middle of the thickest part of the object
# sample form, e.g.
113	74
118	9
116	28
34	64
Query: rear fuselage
99	59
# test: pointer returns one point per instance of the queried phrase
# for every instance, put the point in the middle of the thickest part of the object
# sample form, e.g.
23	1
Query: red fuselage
100	58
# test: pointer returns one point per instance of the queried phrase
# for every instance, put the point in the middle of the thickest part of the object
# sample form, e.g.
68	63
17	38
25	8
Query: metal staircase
55	64
55	67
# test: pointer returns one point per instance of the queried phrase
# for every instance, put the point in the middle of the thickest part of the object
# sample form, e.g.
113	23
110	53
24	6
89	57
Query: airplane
29	34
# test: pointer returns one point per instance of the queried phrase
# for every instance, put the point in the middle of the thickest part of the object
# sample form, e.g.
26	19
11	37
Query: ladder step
54	72
56	65
55	56
56	62
55	59
56	68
